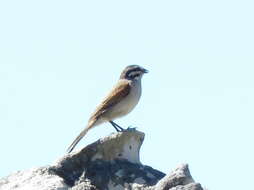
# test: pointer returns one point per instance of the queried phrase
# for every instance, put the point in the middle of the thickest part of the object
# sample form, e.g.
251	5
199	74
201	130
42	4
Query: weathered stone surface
33	179
111	163
180	178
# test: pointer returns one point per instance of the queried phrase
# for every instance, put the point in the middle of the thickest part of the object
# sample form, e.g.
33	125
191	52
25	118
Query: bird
120	101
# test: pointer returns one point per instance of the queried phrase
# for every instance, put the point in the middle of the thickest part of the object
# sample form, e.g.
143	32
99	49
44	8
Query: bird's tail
78	138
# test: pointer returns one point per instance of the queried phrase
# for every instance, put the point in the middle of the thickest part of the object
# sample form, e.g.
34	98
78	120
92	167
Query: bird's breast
128	103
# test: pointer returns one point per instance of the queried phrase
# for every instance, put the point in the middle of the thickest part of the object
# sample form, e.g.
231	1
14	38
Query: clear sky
59	58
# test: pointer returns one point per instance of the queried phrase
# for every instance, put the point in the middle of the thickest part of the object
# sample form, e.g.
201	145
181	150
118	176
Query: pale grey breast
129	102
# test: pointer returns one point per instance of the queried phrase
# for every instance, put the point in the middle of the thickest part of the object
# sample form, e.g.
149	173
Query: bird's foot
130	128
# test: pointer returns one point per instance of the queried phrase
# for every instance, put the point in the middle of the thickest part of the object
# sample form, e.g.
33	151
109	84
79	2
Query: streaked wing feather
115	96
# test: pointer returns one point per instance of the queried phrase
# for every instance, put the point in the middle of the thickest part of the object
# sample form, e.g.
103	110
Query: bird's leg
117	127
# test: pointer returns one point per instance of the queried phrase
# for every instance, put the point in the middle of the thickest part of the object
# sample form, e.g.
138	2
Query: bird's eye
134	74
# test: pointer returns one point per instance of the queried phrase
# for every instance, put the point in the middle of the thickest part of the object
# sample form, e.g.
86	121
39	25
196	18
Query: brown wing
119	92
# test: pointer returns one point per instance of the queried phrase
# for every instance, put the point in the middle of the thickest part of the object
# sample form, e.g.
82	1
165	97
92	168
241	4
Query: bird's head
133	72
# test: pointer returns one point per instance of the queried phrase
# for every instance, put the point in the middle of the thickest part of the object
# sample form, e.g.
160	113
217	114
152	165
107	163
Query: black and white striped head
133	72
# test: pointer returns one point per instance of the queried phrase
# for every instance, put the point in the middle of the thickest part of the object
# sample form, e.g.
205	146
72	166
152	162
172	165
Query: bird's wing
119	92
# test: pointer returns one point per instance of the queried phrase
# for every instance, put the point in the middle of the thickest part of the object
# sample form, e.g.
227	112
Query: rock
111	163
37	178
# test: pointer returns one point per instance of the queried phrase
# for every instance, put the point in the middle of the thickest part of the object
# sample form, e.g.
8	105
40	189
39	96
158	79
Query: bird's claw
130	128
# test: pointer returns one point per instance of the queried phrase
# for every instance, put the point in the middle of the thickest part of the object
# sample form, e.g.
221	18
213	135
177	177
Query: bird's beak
145	71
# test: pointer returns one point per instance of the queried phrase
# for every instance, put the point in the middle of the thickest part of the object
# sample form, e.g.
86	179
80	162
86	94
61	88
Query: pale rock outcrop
111	163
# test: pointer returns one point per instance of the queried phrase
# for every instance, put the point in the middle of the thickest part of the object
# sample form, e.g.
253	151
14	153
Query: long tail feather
78	138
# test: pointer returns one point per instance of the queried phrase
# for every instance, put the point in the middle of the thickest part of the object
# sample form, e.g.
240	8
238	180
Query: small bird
119	102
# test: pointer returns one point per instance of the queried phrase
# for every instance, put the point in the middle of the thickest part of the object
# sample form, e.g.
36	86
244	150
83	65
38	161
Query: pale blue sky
59	58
